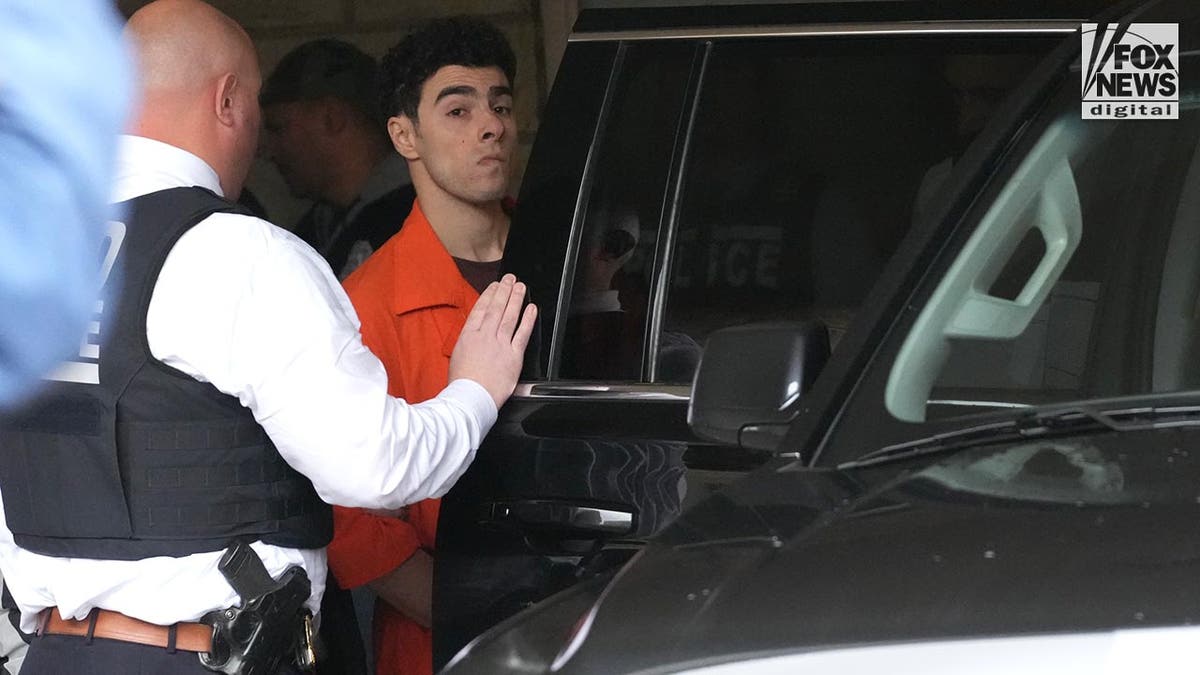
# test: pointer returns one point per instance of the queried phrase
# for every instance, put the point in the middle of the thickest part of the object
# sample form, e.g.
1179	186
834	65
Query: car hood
1093	534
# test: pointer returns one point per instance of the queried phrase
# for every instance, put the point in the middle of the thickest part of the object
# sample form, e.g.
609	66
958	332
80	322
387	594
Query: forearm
409	588
388	453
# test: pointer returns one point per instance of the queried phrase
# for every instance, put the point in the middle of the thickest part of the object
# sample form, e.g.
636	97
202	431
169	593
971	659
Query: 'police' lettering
85	369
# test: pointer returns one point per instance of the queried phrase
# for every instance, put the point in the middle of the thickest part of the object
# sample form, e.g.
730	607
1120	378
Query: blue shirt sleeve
65	91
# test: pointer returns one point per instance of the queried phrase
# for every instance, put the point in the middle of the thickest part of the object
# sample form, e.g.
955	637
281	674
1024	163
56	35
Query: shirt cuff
472	397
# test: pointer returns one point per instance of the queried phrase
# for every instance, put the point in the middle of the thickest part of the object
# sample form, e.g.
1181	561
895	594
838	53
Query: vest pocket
67	454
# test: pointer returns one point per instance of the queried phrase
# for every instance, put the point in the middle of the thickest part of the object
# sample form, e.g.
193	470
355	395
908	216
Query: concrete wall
375	25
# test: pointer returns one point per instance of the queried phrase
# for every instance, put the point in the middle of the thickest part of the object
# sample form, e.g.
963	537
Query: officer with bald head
200	81
224	398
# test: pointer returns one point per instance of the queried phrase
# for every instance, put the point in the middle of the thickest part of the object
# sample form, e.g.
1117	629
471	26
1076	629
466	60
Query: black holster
270	628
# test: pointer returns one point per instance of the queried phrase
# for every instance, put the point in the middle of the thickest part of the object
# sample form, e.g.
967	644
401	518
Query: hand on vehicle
491	347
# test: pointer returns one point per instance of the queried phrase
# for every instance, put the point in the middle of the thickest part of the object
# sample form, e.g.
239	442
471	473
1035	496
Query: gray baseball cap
321	68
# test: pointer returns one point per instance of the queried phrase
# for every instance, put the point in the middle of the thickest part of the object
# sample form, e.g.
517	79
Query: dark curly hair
455	41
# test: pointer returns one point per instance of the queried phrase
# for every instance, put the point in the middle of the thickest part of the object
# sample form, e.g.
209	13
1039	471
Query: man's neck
475	232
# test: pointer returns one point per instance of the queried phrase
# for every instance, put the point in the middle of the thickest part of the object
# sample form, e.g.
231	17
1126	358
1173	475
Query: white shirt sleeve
253	310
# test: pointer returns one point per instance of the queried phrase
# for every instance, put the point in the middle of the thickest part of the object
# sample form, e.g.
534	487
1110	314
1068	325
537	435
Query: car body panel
1083	535
1101	540
1168	651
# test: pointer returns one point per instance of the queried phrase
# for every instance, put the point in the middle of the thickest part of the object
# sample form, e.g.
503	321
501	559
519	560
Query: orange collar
424	273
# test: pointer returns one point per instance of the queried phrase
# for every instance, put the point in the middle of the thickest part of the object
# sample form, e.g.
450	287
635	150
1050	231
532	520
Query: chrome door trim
554	513
566	286
603	520
601	391
1063	27
664	252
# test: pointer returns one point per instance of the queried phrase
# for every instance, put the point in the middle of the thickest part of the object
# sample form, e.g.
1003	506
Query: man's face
465	132
290	132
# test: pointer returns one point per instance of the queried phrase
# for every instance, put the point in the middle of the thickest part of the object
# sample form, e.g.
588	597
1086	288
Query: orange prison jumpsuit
412	302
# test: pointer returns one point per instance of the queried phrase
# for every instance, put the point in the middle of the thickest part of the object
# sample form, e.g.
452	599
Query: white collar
145	165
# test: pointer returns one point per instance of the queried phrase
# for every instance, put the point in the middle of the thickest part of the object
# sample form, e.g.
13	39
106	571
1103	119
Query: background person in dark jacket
323	131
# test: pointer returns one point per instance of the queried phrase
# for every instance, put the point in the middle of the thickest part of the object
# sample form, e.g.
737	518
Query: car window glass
603	336
809	160
1120	316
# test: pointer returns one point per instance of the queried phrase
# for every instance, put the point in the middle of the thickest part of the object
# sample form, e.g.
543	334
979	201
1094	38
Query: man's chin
489	196
477	191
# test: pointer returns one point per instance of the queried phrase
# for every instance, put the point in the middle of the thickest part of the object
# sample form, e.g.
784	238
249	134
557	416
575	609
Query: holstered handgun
270	628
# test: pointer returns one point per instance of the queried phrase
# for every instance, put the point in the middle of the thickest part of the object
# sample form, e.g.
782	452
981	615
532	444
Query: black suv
700	168
998	468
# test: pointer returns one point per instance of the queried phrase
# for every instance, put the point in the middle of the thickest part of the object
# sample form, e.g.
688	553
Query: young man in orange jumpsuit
448	89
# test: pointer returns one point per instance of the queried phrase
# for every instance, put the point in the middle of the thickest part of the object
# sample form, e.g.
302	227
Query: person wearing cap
977	86
323	131
448	91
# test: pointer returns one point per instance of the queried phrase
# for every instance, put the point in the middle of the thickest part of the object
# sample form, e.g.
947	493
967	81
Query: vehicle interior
774	222
1081	281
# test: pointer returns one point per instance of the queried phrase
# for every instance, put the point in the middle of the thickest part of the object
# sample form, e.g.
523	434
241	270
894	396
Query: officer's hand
491	347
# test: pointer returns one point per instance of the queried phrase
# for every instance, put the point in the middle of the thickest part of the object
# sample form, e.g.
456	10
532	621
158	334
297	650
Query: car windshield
1086	470
1082	279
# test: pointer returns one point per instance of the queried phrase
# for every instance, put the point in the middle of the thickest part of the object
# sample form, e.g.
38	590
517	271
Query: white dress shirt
255	311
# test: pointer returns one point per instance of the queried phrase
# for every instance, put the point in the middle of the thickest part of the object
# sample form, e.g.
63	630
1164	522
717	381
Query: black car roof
624	15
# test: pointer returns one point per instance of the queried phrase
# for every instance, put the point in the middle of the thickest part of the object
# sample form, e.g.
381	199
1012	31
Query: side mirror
749	378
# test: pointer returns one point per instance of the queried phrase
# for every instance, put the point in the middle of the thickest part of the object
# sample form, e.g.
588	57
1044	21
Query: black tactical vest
122	457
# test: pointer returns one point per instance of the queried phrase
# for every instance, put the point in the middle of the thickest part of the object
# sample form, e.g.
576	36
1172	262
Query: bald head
200	79
182	43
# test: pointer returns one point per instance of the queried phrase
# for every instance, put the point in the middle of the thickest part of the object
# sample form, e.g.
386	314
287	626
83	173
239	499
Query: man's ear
227	90
403	133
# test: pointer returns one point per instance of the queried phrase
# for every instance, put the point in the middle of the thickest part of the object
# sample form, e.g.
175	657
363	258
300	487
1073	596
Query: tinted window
541	227
805	163
606	321
809	161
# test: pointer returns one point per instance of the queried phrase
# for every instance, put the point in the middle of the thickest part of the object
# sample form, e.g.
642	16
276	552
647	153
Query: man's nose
492	127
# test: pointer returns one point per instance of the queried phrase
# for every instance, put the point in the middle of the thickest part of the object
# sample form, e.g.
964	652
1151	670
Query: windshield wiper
1055	423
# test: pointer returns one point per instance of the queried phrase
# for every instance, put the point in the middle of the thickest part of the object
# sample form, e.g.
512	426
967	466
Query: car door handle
548	514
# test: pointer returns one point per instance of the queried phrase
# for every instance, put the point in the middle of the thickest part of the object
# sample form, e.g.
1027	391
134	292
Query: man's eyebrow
500	90
461	89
